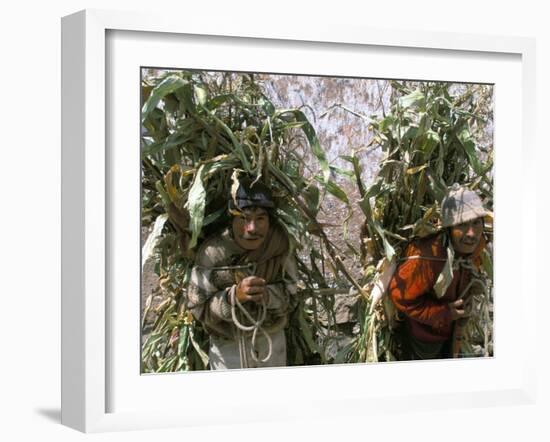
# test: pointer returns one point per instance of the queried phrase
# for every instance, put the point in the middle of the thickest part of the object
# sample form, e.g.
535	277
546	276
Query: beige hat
461	205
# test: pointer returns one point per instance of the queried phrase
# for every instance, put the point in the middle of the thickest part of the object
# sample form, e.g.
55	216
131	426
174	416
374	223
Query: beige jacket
218	267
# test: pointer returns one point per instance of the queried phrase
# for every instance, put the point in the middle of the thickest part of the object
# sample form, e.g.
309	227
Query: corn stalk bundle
200	131
434	135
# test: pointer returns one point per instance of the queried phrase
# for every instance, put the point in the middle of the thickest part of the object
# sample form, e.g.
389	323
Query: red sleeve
410	290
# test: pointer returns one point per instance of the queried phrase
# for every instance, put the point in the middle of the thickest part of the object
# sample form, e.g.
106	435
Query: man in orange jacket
432	285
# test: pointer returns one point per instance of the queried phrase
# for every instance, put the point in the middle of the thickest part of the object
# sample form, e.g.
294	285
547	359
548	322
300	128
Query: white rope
256	325
241	339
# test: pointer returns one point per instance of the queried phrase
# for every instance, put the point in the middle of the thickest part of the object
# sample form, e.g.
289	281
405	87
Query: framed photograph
336	184
134	345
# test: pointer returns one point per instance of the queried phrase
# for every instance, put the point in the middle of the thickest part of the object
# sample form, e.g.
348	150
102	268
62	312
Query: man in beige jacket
242	282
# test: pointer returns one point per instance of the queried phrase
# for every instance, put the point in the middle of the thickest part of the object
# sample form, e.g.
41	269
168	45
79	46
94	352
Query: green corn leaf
364	204
266	105
335	190
183	341
162	192
165	87
430	141
200	95
282	178
473	159
218	100
415	98
167	364
236	144
196	203
152	239
306	331
414	170
342	172
311	136
186	97
446	276
198	349
470	149
312	197
213	216
376	189
386	123
487	263
388	248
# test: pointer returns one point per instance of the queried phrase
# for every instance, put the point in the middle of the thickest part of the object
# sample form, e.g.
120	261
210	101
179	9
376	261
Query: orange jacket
411	288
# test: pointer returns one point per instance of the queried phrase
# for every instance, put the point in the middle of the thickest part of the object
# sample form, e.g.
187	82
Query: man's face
465	237
250	227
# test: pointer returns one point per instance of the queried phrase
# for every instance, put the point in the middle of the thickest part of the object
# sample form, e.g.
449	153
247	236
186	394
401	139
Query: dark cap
251	195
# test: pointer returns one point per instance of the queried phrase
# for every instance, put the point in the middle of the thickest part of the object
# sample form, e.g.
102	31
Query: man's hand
251	288
457	309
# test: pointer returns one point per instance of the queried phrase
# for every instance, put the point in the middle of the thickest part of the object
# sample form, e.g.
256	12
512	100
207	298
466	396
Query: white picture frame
88	171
